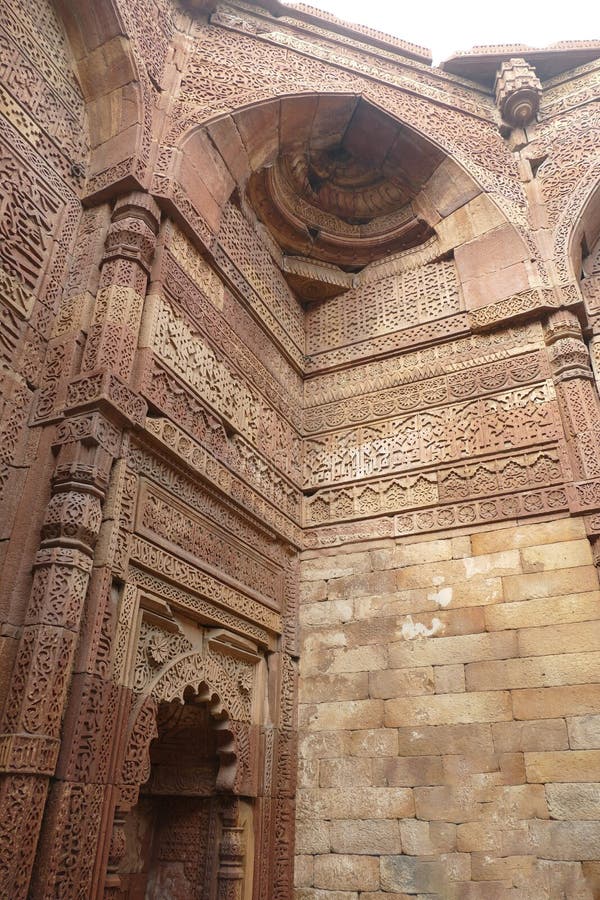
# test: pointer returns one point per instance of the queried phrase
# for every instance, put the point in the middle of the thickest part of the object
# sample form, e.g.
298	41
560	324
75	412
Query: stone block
326	612
365	836
421	553
473	837
450	187
449	679
558	530
449	709
427	838
326	688
560	555
407	771
401	682
346	715
477	592
430	740
574	801
461	547
355	803
537	613
584	732
494	868
543	734
553	702
550	584
359	659
491	287
378	742
228	142
511	803
566	840
346	872
341	565
572	638
507	768
312	837
563	765
430	576
303	870
395	604
316	894
324	745
455	649
496	250
406	873
342	772
466	223
539	671
312	591
365	585
446	803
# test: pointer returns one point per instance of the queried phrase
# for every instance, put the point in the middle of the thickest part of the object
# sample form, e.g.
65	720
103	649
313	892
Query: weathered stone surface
299	460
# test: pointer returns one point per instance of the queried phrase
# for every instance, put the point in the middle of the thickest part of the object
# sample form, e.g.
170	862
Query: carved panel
201	582
211	376
197	607
244	260
419	394
487	477
441	359
208	502
205	465
237	335
513	419
176	526
387	305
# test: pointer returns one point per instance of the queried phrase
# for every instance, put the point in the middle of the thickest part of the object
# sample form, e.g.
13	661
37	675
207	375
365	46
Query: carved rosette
518	92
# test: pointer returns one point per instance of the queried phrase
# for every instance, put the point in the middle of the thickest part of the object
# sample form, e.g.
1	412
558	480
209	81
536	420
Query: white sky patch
447	27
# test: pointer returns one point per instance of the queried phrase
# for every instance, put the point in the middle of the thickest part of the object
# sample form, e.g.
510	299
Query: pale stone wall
449	746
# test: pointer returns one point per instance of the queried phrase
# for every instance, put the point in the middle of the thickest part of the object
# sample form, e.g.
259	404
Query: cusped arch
229	702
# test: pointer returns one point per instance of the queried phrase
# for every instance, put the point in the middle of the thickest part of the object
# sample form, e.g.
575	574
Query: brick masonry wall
449	746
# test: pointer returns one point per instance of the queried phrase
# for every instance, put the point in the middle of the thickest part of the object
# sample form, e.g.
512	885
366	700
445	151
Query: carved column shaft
231	854
577	397
31	732
94	715
37	697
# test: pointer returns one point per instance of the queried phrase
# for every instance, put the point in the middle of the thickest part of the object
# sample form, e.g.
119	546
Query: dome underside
347	197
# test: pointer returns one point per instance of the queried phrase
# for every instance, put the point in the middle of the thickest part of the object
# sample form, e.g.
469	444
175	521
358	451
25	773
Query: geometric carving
159	516
512	419
201	582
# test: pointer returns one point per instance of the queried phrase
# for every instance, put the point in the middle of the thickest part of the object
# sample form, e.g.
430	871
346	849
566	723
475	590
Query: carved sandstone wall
299	432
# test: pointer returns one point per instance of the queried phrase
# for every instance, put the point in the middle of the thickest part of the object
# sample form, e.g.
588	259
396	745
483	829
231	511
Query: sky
449	25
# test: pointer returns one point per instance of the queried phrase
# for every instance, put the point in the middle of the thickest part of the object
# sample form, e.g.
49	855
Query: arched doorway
183	825
172	833
185	838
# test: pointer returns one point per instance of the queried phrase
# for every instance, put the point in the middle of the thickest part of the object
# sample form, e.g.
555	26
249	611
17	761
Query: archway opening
173	834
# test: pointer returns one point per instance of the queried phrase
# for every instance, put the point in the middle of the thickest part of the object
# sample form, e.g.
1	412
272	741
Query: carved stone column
576	393
82	800
99	405
31	725
231	854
